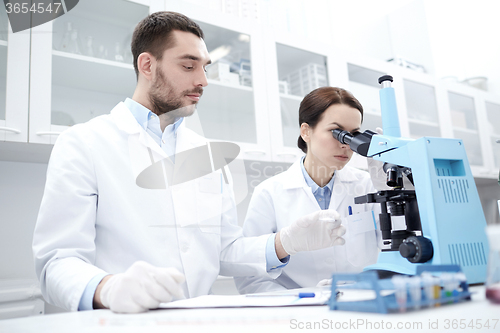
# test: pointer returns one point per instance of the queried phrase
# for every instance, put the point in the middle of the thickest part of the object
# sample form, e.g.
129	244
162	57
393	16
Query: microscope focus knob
416	249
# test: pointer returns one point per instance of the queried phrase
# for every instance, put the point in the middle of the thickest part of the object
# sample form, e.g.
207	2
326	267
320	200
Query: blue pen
349	209
299	295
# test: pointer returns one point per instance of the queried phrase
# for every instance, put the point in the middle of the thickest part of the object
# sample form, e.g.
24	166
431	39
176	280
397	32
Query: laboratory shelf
465	130
226	112
367	95
230	86
371	113
292	97
418	130
93	73
423	122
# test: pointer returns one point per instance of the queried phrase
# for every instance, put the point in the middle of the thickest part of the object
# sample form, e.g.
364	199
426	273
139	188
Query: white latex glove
315	231
142	287
324	283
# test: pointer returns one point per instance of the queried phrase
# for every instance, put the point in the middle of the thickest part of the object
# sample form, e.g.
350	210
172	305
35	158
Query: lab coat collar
126	122
295	179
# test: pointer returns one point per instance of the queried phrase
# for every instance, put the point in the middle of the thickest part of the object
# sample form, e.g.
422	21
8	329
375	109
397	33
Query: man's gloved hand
141	287
315	231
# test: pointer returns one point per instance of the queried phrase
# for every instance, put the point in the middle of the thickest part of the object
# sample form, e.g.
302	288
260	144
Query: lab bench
477	315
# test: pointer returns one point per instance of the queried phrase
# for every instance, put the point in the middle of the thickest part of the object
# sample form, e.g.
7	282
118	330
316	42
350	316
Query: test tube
436	284
459	278
448	285
415	285
399	283
427	280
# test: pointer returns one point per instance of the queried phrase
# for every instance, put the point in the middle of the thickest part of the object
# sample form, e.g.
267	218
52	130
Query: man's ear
305	132
146	65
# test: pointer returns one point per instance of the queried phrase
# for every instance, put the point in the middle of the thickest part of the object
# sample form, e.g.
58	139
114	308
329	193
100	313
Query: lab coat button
329	261
184	247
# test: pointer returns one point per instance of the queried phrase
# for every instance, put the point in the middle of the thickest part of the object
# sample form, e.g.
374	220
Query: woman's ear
305	132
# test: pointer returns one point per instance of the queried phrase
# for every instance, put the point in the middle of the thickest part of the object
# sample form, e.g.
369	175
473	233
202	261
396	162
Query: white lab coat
94	218
282	199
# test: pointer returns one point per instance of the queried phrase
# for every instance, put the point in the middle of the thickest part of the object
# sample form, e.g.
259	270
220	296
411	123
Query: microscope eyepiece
357	141
385	78
343	137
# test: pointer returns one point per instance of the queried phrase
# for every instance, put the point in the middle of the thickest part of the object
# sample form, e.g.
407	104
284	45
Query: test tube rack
369	280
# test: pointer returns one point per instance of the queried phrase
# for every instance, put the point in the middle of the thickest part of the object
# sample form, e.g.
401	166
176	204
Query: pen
349	209
299	295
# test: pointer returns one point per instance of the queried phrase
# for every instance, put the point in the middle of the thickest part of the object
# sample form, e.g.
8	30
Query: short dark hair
153	34
317	101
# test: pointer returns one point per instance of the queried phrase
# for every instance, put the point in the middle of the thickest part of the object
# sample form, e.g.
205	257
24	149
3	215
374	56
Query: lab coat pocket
360	239
209	203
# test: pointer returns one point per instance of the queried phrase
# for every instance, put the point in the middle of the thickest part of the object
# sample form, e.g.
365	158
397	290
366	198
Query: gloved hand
324	283
141	287
315	231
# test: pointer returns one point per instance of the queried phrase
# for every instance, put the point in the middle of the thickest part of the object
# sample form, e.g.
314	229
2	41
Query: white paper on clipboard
241	301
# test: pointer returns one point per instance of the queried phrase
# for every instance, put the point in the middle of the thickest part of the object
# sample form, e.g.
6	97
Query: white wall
464	39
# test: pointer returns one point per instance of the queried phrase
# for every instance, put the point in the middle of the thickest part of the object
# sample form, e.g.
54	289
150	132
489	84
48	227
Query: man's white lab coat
94	218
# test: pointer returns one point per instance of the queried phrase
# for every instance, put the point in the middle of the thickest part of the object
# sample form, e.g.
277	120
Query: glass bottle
103	52
89	48
118	52
66	40
74	45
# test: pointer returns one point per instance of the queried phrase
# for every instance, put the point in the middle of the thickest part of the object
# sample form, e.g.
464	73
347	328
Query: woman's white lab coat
94	218
280	200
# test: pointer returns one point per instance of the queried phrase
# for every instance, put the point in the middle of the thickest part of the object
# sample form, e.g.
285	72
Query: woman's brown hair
317	101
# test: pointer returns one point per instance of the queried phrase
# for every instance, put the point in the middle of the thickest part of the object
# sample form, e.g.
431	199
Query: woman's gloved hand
141	287
315	231
324	283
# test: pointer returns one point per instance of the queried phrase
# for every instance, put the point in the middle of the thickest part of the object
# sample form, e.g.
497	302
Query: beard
164	100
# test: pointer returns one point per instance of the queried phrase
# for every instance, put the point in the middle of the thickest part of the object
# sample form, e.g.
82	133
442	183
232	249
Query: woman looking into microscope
319	180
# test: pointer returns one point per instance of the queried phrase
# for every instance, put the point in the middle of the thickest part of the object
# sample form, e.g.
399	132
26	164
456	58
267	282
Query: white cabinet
467	122
14	82
491	106
421	108
82	65
294	68
79	66
234	104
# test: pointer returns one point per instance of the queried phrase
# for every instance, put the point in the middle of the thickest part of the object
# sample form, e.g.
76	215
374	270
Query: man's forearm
280	251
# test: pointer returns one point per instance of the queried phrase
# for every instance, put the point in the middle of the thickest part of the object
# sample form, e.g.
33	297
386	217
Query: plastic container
493	277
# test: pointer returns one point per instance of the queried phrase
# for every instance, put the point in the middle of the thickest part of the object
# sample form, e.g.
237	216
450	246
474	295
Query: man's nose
201	78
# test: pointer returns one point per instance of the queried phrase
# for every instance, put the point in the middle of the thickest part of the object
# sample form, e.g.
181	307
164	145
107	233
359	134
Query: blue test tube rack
387	304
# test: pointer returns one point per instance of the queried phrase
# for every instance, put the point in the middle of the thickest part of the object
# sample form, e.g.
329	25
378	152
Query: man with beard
103	241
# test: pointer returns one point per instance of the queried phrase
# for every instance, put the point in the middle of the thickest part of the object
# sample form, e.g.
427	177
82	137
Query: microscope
445	223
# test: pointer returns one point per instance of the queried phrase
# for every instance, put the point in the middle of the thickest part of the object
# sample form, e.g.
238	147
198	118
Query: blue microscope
445	223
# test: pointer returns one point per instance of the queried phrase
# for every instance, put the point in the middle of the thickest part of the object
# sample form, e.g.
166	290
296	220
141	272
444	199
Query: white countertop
461	317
